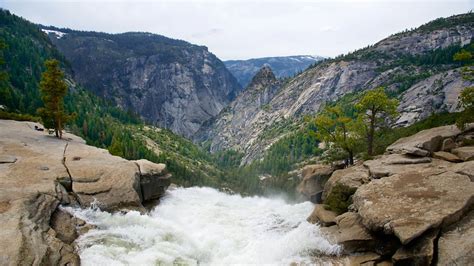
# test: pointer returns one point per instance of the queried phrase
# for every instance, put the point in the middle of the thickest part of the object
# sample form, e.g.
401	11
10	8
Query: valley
172	156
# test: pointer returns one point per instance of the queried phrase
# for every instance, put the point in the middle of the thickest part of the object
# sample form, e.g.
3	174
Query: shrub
340	198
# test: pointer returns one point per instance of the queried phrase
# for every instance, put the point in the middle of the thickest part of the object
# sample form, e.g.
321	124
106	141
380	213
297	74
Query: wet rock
409	204
322	216
465	153
154	179
350	233
62	223
314	178
456	244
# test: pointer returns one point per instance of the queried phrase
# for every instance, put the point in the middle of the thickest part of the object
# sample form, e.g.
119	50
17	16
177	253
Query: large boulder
425	142
154	180
410	203
350	233
418	252
322	216
352	177
314	178
456	244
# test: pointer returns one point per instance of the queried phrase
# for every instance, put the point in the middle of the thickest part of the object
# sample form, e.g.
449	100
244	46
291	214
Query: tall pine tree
53	89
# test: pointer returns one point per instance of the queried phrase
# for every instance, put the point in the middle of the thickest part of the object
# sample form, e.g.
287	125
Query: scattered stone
456	244
465	153
322	216
409	204
447	156
44	168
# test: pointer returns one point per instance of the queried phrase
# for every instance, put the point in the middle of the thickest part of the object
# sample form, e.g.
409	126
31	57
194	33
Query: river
204	226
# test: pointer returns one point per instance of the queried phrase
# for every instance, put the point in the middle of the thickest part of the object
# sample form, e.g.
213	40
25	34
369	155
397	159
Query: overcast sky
247	29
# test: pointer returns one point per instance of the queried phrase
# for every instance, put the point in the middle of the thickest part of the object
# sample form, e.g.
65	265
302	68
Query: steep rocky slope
410	206
415	65
39	172
170	83
283	66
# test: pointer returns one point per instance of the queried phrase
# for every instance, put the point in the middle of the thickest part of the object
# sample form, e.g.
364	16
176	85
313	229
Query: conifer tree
53	88
374	108
466	98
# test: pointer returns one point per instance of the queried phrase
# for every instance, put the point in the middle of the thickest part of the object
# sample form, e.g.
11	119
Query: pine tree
374	107
53	88
466	98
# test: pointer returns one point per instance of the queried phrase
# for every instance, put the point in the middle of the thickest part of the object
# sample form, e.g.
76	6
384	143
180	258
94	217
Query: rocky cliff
283	66
170	83
39	173
416	66
410	206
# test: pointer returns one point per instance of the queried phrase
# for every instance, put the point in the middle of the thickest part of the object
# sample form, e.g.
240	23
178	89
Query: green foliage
340	198
334	127
18	117
374	108
466	98
53	90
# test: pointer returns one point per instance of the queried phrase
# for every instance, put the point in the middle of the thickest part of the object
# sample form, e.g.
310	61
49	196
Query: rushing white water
204	226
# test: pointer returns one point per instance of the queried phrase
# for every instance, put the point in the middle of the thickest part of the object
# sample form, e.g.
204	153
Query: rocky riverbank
412	205
39	173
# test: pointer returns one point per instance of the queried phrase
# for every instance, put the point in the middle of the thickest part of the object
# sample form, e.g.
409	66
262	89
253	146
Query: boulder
447	156
352	177
424	142
154	179
314	178
418	252
409	204
62	223
465	153
466	168
322	216
456	243
368	258
350	233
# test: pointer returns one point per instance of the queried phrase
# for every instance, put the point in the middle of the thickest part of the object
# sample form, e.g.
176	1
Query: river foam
204	226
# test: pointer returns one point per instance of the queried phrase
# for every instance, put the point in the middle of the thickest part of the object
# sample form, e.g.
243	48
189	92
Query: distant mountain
282	66
415	66
169	83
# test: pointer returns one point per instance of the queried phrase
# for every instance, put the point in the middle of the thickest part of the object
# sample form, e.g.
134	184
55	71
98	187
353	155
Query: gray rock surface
409	204
170	83
456	244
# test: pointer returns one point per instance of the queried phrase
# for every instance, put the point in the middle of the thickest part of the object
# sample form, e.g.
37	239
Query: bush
18	117
340	198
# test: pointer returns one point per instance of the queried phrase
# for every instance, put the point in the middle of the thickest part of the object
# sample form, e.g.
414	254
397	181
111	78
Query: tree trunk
371	133
351	158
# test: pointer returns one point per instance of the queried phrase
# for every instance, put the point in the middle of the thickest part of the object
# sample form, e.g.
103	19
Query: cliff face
408	64
282	66
170	83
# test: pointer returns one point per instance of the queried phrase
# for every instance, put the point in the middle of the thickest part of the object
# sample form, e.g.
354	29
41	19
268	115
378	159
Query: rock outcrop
170	83
314	178
412	205
39	172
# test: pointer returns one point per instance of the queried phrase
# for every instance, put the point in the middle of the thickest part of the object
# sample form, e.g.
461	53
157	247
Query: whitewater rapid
204	226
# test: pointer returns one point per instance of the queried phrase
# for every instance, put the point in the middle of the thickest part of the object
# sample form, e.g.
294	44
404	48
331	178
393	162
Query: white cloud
243	29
